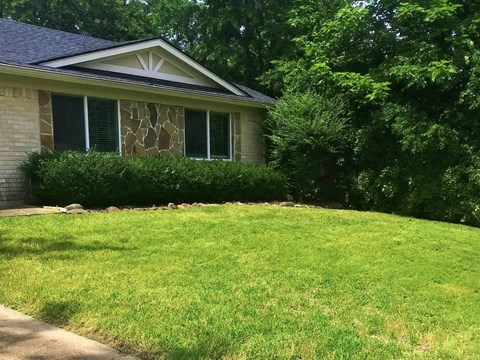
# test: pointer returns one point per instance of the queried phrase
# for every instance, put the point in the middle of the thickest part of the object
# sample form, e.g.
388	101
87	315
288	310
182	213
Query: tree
239	39
108	19
409	71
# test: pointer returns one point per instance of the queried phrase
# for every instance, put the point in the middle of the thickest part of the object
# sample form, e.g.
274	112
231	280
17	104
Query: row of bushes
397	160
96	179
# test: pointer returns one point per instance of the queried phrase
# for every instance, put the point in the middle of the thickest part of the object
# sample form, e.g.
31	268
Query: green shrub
96	179
309	133
409	164
396	159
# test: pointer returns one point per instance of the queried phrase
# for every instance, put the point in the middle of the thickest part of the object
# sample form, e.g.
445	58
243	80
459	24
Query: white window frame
209	157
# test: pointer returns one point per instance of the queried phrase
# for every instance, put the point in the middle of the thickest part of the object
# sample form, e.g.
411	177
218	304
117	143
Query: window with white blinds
207	135
219	135
81	123
103	125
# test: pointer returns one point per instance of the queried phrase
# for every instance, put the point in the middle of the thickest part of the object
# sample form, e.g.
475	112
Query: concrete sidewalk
24	338
29	210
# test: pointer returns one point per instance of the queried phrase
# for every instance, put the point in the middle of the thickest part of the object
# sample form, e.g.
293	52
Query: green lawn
241	282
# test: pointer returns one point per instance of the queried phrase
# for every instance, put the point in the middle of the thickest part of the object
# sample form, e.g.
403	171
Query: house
61	91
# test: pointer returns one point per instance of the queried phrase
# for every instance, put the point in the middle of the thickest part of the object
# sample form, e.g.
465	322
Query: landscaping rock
73	207
287	204
77	211
172	206
195	204
112	209
184	206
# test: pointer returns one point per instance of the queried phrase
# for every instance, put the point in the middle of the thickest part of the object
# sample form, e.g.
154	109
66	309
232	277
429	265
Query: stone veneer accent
152	129
237	137
19	129
46	120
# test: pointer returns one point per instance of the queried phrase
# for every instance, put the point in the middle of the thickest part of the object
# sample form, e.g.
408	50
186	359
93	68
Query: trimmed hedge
98	179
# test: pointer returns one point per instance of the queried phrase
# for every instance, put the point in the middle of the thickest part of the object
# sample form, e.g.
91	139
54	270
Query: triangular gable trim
151	63
129	48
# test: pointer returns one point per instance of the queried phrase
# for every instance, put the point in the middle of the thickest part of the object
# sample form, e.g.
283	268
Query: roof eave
52	74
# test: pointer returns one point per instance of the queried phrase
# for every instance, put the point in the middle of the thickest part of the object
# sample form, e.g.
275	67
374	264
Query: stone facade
152	129
20	135
46	120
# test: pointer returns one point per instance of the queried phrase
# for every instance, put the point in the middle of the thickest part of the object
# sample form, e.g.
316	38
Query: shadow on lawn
54	248
207	347
214	348
58	313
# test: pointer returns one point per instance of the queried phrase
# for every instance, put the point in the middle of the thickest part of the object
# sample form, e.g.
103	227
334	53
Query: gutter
87	79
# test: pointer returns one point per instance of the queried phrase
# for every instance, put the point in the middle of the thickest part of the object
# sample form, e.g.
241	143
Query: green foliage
108	19
96	179
309	137
240	38
409	71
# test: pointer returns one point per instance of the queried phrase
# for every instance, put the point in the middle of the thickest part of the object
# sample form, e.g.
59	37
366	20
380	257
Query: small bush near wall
96	179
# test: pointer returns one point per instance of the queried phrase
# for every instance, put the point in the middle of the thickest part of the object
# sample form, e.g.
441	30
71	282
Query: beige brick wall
252	139
19	135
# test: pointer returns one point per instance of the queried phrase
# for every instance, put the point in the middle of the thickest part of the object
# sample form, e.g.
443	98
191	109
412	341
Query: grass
238	282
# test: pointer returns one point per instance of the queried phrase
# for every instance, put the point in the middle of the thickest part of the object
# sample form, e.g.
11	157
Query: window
196	134
68	123
102	125
81	123
207	135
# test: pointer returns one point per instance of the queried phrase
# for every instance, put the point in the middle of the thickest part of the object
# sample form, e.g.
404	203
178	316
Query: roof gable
151	63
154	58
32	50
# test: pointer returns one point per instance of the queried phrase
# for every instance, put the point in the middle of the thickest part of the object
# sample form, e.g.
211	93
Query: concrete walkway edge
24	338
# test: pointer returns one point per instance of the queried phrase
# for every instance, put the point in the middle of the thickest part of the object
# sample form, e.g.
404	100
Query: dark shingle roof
27	44
256	95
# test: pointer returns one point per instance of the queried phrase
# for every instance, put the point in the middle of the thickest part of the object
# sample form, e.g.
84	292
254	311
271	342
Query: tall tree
240	38
409	70
109	19
176	20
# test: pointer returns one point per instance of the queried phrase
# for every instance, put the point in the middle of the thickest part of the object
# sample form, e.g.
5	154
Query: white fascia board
97	55
47	74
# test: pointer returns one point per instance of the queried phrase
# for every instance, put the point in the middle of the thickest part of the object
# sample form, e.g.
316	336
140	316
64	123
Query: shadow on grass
207	347
55	248
58	313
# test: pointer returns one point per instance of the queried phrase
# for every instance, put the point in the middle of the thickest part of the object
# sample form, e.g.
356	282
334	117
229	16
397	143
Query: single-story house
61	91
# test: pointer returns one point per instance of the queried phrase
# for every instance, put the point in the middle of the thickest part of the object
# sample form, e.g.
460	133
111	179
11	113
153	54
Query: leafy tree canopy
410	72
